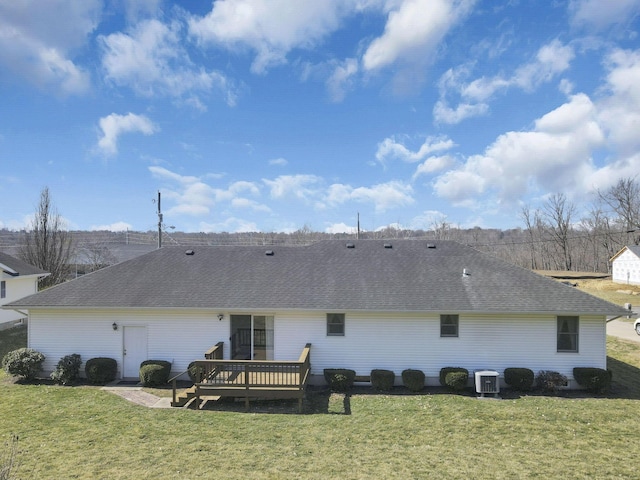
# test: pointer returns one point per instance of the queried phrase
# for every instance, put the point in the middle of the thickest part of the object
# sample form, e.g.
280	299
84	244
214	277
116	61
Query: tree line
551	238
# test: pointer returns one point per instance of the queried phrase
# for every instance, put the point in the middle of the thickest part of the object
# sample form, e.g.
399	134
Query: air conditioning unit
487	381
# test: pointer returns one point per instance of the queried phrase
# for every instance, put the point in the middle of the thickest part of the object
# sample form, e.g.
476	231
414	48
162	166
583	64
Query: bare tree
47	244
624	199
558	212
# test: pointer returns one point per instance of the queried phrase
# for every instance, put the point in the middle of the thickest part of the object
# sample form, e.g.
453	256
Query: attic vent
189	252
431	245
269	253
351	245
388	245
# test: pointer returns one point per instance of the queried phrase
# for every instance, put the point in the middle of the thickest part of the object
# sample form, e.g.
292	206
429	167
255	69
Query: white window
568	334
449	325
335	324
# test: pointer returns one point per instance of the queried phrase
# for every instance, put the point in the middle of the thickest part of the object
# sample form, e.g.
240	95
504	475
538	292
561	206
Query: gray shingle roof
327	275
16	266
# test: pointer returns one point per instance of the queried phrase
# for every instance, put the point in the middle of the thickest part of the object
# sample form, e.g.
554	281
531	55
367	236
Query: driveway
623	330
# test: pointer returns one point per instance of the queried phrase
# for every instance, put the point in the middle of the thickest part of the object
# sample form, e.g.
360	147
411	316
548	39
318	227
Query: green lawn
84	432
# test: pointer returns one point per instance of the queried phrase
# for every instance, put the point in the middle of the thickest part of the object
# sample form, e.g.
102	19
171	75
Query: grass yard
86	433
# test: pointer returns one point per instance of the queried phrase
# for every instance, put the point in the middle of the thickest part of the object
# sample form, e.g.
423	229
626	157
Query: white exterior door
135	351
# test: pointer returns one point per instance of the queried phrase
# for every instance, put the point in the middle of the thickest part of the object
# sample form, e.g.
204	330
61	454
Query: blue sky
271	115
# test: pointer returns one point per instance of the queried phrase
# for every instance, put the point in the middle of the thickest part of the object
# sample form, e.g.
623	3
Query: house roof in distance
635	249
335	275
16	267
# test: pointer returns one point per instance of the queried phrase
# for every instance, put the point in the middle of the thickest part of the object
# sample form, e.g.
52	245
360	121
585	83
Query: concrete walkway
134	394
623	330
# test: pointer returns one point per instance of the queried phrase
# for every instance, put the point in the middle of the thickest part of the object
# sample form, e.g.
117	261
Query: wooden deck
247	378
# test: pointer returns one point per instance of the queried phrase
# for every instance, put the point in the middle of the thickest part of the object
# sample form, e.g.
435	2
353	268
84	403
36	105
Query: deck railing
251	378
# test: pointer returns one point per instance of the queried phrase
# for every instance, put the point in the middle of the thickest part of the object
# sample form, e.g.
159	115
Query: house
361	304
626	266
17	279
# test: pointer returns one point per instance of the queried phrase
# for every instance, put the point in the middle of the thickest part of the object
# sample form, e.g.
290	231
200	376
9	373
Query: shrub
596	380
339	379
155	372
101	370
413	379
457	381
382	380
23	362
454	377
519	378
549	381
67	370
195	372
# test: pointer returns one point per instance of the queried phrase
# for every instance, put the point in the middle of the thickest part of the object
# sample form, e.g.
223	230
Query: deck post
247	384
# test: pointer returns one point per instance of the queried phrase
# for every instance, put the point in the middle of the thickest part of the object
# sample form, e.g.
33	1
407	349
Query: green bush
23	362
382	380
413	379
195	372
456	382
339	379
155	372
67	370
101	370
519	378
549	381
596	380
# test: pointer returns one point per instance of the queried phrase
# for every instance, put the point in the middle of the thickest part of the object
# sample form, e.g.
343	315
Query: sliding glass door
252	337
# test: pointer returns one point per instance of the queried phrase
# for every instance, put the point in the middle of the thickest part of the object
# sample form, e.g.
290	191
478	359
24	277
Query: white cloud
620	110
383	197
602	14
114	125
390	149
413	31
342	78
303	187
340	228
433	164
550	60
38	48
113	227
269	28
554	157
152	61
245	203
279	162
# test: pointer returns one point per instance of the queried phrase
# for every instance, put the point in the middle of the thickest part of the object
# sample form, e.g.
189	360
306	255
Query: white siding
413	341
16	288
626	268
393	342
178	337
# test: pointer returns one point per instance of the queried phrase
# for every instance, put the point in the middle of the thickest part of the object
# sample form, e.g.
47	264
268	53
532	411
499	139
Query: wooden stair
185	397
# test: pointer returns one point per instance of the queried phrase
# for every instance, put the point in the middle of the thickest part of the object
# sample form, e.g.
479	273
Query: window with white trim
449	325
568	327
335	324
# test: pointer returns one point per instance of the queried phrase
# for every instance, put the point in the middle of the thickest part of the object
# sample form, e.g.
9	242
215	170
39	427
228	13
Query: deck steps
185	397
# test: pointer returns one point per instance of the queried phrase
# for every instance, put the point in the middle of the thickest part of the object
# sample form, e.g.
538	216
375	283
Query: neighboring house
625	266
361	304
17	279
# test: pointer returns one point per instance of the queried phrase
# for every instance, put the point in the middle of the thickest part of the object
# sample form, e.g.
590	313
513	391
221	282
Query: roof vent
351	245
431	245
388	245
189	252
269	253
465	273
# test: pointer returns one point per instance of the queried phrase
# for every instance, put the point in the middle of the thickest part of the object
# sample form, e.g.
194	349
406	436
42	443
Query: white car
636	326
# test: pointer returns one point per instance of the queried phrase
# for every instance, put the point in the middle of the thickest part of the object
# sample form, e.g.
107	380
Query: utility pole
159	222
358	230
